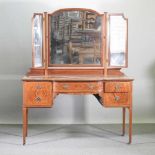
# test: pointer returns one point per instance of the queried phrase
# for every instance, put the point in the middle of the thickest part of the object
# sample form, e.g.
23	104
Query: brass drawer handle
65	86
117	98
90	86
37	99
117	87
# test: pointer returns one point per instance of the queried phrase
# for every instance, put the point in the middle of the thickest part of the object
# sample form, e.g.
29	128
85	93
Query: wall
15	59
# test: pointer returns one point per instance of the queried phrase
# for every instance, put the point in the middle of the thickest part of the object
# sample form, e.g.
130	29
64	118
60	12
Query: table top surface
76	78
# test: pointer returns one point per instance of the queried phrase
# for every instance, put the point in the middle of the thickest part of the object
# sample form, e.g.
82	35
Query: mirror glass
75	37
117	40
37	40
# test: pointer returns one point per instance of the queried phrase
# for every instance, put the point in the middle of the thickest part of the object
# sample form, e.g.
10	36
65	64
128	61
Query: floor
77	140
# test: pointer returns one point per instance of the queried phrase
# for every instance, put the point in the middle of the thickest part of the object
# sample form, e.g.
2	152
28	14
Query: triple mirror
79	37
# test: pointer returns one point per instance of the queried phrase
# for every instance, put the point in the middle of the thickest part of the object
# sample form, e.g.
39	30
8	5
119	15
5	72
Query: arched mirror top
75	9
75	37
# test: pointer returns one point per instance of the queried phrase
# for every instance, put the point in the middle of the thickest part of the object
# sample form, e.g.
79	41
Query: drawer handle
117	87
90	86
117	98
37	99
65	86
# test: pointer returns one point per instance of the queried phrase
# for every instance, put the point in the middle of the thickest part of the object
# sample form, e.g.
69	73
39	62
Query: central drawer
77	87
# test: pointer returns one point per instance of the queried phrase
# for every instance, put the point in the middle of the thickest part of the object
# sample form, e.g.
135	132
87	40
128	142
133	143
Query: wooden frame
105	46
102	39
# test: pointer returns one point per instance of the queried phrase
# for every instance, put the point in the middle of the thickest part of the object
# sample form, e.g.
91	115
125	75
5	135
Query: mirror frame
105	45
126	41
33	48
103	26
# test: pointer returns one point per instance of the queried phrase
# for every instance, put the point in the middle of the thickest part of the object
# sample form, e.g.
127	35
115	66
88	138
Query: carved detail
37	99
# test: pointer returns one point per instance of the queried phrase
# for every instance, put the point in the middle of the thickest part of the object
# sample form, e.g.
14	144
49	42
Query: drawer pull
90	86
37	99
117	98
117	87
65	86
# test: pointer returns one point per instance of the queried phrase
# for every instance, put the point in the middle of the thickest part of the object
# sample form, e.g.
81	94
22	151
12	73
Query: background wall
15	59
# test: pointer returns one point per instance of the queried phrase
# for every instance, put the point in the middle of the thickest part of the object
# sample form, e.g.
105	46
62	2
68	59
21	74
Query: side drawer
115	99
77	87
37	94
116	87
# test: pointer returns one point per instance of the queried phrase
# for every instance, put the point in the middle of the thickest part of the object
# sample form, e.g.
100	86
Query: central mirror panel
75	37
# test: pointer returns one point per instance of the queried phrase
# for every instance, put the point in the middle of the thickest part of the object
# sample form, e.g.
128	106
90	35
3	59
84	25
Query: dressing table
78	51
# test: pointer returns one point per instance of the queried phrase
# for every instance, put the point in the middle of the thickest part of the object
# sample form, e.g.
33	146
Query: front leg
123	125
26	122
130	125
24	125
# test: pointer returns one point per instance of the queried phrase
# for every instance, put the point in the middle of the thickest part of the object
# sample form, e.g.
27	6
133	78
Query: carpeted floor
77	139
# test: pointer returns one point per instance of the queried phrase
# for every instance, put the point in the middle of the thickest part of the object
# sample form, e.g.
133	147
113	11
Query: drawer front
77	87
37	94
116	99
116	87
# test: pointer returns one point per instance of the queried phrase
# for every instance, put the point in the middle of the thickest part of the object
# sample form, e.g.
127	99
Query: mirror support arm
46	42
106	44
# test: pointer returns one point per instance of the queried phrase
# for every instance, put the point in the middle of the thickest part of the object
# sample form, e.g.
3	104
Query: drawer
116	87
37	94
115	99
77	87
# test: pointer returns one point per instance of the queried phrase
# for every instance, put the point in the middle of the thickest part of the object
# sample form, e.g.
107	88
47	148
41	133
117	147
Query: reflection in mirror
118	36
37	40
75	37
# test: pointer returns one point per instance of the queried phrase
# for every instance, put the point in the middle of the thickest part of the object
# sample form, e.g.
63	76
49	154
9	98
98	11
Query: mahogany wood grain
130	114
123	125
24	125
78	87
37	94
130	125
26	121
116	99
117	87
75	71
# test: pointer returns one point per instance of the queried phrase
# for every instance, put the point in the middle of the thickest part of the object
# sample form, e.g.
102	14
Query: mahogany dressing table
78	51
